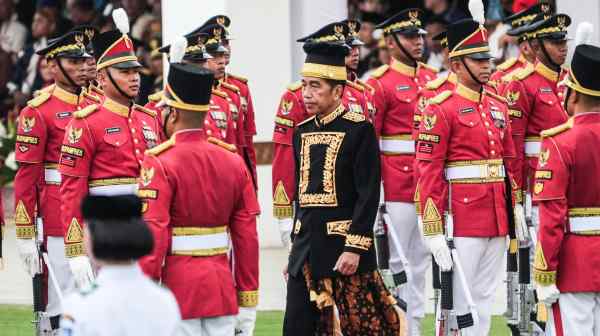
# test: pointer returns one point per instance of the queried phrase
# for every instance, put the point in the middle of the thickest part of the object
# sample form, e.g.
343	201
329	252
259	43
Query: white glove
29	255
245	320
520	224
82	271
547	294
441	253
285	230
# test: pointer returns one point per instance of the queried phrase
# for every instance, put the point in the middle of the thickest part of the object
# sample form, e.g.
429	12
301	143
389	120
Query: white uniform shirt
123	302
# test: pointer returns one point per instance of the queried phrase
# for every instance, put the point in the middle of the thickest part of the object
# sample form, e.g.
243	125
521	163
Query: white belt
52	176
581	224
397	146
114	190
532	148
483	171
206	244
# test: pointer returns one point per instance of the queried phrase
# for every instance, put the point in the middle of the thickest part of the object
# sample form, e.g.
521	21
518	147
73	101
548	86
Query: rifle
41	319
437	285
512	271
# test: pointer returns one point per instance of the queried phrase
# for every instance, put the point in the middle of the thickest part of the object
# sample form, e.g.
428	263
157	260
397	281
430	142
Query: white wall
580	11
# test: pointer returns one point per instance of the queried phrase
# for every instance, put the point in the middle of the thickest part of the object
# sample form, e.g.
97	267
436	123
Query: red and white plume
585	30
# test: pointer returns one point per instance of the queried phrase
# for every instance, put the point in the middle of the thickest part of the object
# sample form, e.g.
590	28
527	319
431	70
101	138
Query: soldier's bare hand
285	272
347	263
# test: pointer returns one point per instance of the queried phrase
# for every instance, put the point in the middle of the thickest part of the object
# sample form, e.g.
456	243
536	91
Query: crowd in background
438	14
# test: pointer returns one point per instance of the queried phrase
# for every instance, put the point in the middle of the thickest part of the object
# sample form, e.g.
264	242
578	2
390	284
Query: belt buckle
493	171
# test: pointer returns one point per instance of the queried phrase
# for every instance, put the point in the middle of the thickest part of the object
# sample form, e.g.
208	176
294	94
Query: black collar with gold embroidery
330	117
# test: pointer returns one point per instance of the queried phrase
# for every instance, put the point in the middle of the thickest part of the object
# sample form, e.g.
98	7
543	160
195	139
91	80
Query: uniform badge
23	148
234	112
355	108
512	97
538	188
402	87
429	121
286	107
422	103
371	109
244	102
149	136
27	124
544	156
63	115
74	134
498	117
146	176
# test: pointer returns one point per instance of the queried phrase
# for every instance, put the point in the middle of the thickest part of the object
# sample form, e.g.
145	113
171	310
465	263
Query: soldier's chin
484	78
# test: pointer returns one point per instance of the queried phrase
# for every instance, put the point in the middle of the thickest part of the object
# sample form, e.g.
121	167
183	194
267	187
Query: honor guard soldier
40	133
464	153
506	70
395	98
355	86
194	225
333	284
534	100
116	237
290	113
98	136
567	184
90	93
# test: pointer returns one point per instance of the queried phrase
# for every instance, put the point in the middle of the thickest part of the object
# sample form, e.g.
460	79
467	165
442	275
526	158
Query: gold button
487	124
466	200
490	133
405	168
137	151
493	152
133	130
483	114
117	143
492	142
136	140
208	132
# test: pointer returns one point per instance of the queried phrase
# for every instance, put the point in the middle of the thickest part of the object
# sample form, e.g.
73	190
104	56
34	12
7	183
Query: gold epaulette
155	97
305	121
97	90
509	76
146	110
222	144
498	97
90	97
353	116
219	93
86	111
231	87
436	83
525	72
161	148
366	85
38	100
440	97
429	67
558	129
240	78
47	89
294	86
380	71
507	64
354	85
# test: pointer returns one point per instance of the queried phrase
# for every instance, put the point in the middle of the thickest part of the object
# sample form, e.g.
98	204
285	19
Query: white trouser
64	277
213	326
404	225
579	315
481	260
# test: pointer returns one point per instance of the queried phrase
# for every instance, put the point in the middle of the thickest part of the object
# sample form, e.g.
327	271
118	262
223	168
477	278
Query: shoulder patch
39	99
86	111
428	67
155	97
524	72
353	116
240	78
558	129
294	86
222	144
231	87
366	85
306	121
155	151
436	83
507	64
96	90
219	93
440	97
145	110
510	75
355	85
498	97
380	71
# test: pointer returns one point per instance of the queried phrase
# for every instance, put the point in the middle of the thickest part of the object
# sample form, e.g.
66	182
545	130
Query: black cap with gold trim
407	22
88	33
215	34
196	47
527	15
334	33
222	20
70	45
549	28
521	25
189	87
582	77
442	38
325	60
468	38
352	38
